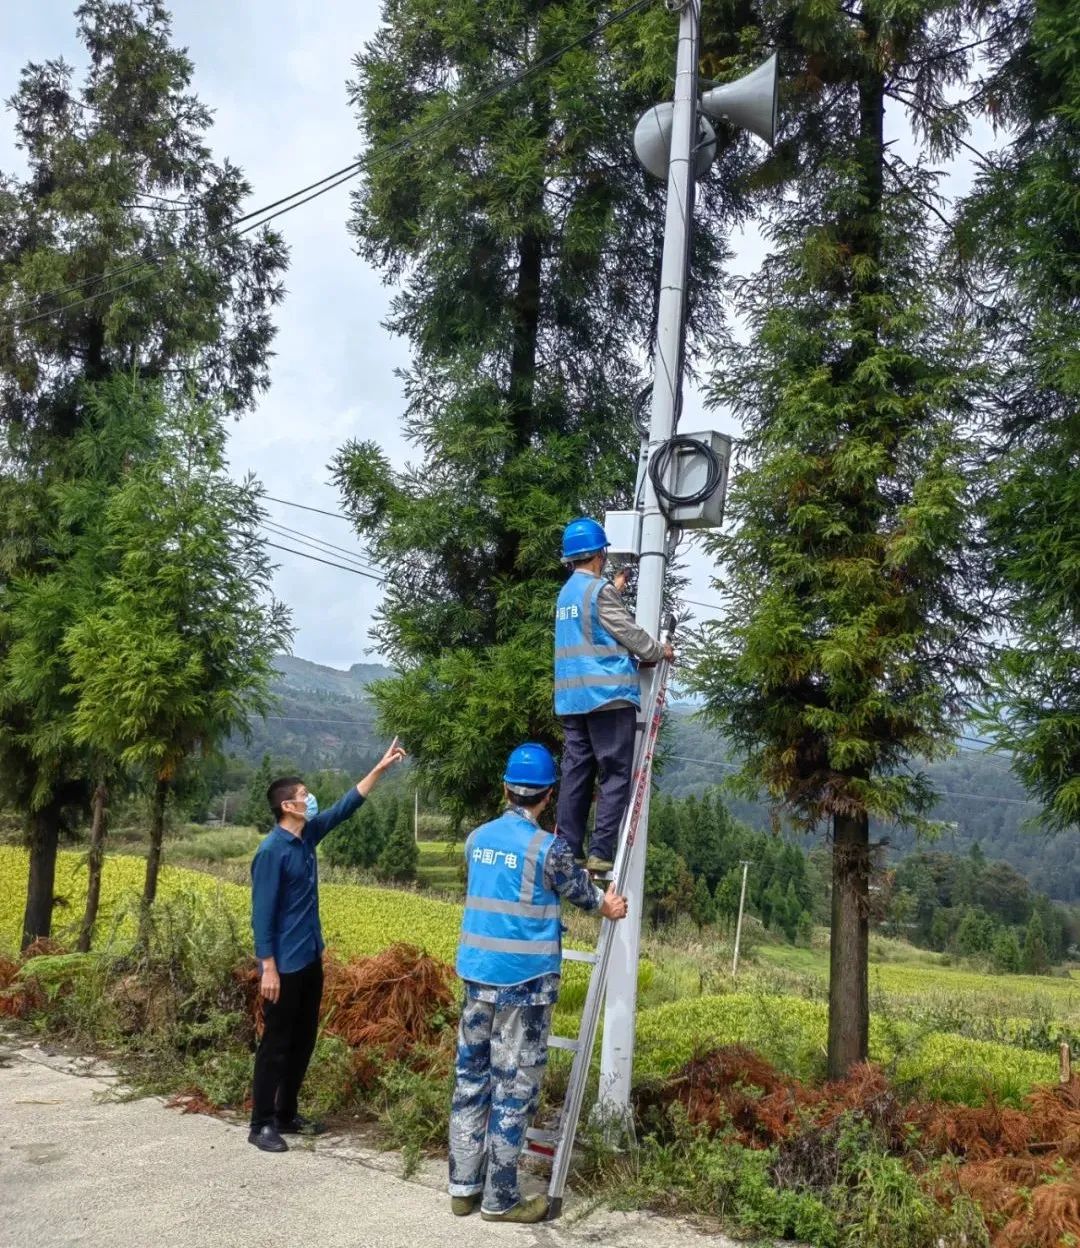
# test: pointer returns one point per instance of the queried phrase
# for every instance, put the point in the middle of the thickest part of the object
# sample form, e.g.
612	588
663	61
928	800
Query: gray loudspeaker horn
652	141
749	102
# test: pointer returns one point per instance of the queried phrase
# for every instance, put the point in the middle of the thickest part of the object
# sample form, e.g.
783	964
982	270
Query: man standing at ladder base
510	957
597	695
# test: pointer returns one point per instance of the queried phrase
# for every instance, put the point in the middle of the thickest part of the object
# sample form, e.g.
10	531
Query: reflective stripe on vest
510	930
591	667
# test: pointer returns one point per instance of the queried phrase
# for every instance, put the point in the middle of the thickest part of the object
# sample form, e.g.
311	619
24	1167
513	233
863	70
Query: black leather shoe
299	1125
268	1139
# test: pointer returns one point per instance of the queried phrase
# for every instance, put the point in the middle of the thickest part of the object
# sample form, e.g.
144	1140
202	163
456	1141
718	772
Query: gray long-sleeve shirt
616	620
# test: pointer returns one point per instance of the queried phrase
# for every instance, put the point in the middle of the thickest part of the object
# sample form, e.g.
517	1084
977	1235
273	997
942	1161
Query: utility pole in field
738	925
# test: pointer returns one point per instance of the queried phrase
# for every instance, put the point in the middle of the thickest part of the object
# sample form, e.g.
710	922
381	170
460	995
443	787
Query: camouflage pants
501	1055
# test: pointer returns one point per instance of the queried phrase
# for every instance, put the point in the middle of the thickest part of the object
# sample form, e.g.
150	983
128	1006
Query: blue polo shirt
285	889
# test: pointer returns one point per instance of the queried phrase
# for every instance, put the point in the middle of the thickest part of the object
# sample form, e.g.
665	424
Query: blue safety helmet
530	766
583	537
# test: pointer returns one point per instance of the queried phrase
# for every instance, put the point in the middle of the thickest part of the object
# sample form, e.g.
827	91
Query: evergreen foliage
256	810
1005	954
97	279
1019	241
696	850
399	856
524	240
360	841
847	632
178	648
1036	958
976	933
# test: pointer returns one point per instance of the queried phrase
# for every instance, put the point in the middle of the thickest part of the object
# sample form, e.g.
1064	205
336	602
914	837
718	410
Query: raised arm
327	820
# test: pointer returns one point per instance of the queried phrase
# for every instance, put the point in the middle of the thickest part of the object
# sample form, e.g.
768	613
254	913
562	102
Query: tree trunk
849	990
95	861
849	994
41	884
525	314
153	858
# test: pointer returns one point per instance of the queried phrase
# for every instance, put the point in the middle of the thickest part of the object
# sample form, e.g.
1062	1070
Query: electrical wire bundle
662	459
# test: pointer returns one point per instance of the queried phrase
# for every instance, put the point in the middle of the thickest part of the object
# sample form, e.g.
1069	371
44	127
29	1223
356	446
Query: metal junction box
691	474
623	529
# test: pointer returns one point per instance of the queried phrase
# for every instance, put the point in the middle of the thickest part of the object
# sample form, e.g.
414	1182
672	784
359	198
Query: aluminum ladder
557	1144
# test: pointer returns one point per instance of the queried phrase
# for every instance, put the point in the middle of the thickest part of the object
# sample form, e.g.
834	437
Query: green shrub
414	1109
329	1086
847	1190
681	1169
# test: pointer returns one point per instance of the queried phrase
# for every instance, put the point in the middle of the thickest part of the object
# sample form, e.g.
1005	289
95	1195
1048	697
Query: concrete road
79	1167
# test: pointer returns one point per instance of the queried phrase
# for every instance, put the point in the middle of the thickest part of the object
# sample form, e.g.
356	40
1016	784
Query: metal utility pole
738	925
617	1050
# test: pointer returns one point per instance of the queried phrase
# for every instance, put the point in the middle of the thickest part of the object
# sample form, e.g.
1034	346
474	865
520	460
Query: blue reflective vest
591	668
510	931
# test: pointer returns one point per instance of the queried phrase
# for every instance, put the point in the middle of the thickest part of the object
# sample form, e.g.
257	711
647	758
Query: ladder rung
579	955
542	1135
564	1042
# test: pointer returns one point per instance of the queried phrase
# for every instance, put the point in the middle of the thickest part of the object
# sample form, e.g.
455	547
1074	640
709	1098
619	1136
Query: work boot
599	866
535	1209
462	1206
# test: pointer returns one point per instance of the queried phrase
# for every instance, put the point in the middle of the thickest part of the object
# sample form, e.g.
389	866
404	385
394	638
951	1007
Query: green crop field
439	868
950	1032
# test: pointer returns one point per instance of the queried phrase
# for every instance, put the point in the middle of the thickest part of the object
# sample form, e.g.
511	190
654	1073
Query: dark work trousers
289	1028
597	748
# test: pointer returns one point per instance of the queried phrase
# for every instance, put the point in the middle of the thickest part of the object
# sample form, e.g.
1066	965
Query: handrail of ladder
590	1013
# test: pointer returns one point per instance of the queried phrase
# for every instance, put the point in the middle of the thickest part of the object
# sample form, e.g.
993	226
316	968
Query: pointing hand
393	755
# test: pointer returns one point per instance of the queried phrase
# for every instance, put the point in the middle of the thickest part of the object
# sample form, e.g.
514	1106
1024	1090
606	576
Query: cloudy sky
274	71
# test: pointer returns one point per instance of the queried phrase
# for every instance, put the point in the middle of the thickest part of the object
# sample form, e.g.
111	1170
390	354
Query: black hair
282	790
528	800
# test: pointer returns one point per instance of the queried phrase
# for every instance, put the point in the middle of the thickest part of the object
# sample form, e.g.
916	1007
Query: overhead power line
307	539
265	214
344	567
285	502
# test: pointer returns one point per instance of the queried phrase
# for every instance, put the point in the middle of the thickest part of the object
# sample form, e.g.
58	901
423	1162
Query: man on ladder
510	957
597	650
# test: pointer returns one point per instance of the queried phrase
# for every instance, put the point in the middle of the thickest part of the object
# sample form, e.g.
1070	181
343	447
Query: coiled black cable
658	468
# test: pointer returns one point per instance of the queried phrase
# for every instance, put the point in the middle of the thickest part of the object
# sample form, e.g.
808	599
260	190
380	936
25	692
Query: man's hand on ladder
613	906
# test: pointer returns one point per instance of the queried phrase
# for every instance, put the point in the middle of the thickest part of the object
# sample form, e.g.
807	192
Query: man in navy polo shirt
289	945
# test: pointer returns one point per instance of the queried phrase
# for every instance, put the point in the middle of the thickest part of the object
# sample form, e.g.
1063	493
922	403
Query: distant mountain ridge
325	718
301	674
